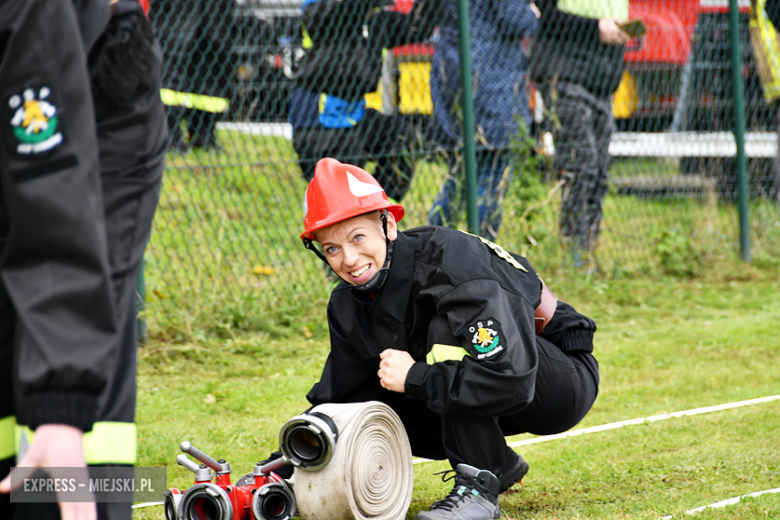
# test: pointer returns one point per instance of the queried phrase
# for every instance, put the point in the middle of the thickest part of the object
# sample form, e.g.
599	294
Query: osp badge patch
486	336
33	118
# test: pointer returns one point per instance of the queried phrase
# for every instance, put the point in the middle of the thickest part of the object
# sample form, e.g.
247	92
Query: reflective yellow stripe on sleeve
111	442
196	101
441	353
7	446
107	443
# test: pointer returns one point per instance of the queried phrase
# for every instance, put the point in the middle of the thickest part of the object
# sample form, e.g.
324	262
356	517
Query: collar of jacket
393	298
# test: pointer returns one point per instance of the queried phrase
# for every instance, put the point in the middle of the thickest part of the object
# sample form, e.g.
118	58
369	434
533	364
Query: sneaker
473	497
514	474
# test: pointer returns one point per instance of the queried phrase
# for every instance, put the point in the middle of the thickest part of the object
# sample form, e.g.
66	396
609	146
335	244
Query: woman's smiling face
356	248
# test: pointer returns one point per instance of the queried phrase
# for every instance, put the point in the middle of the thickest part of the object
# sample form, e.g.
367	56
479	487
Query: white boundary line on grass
620	424
631	422
724	503
147	504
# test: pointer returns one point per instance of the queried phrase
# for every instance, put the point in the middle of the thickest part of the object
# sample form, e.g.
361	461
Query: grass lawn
663	346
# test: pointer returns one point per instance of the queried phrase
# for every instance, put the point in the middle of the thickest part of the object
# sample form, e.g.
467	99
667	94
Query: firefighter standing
345	43
460	337
577	60
81	167
196	36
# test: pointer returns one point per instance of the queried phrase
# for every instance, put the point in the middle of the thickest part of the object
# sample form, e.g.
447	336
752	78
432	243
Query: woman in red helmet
459	336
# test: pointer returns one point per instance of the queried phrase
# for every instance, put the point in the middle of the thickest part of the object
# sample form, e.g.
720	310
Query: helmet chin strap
378	280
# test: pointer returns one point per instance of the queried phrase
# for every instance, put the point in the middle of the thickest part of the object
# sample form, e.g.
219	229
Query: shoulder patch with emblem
486	337
32	120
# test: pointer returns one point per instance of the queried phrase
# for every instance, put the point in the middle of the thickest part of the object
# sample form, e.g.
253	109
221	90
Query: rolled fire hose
370	476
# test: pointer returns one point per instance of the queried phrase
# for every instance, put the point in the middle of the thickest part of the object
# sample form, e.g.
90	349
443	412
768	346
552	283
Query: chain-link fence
602	134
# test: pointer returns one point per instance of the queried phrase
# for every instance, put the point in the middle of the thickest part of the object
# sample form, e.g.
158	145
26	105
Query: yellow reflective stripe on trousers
196	101
107	443
441	353
7	446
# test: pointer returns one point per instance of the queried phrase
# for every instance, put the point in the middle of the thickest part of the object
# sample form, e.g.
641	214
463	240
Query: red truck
678	74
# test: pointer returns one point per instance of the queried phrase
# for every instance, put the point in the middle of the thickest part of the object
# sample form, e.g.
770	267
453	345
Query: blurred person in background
345	42
85	141
764	24
577	62
498	59
198	67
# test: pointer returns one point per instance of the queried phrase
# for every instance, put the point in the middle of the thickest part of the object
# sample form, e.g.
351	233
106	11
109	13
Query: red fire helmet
339	192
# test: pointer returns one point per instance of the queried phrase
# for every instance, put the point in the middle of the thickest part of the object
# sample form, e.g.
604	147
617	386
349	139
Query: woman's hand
393	368
56	446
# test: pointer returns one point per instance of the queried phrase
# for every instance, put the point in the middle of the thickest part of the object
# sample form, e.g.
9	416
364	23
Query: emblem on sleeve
33	117
486	337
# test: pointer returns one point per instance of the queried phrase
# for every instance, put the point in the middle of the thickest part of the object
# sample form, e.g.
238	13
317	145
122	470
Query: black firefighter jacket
84	141
566	48
348	41
446	289
57	323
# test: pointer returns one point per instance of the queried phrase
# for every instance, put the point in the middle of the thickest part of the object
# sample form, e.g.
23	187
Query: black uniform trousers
132	141
566	388
582	159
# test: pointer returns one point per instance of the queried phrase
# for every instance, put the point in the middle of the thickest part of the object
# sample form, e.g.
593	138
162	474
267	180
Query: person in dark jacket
196	38
345	41
459	336
85	141
577	62
497	29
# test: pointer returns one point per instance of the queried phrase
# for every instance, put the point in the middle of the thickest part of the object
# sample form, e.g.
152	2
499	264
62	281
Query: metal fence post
467	105
388	83
739	129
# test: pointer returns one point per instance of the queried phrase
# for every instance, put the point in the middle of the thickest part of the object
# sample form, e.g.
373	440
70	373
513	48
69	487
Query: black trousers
388	141
566	388
582	159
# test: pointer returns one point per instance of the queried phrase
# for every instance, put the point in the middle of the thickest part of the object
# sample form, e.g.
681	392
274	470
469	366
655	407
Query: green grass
238	336
663	346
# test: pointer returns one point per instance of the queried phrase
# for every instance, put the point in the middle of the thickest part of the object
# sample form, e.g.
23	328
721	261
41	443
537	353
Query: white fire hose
370	475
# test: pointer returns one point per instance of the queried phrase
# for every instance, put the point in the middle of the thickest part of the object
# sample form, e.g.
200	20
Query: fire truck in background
678	75
678	80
